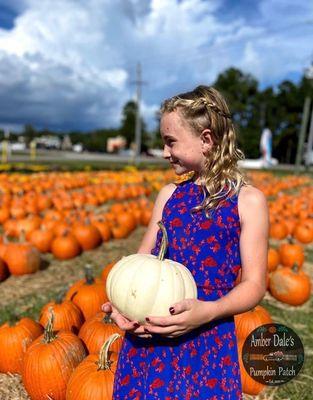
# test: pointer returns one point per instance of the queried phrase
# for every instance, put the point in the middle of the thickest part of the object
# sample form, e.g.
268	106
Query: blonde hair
205	108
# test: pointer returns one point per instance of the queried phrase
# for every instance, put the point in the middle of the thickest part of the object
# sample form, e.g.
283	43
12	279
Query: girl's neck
196	178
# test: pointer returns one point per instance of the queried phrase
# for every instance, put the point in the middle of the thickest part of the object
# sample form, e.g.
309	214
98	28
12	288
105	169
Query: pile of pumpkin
66	235
272	185
74	346
291	228
80	344
60	214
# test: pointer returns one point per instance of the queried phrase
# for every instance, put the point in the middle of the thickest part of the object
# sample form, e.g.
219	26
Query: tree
240	91
129	123
29	133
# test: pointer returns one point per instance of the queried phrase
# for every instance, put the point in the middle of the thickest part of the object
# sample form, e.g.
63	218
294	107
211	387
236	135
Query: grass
300	320
27	306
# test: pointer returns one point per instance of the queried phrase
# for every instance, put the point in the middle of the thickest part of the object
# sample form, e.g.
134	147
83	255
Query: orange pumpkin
120	231
278	230
67	316
51	354
88	294
127	220
303	233
290	285
65	247
250	320
42	239
96	330
94	377
146	215
22	258
87	235
4	214
14	341
28	225
104	229
106	270
291	253
273	259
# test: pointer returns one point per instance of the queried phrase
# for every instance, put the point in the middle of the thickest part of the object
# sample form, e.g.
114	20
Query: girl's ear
207	141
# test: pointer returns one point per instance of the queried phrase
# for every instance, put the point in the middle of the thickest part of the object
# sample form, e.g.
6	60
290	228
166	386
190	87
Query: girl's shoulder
250	200
164	194
167	190
249	193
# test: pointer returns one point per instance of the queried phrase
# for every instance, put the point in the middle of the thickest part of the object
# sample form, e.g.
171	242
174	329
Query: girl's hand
186	316
123	323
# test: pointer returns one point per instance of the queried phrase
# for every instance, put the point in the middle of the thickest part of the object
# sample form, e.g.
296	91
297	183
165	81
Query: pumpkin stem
290	239
107	319
164	242
22	236
88	274
295	267
104	361
49	335
60	296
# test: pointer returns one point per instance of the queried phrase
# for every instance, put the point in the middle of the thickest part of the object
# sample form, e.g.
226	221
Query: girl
217	225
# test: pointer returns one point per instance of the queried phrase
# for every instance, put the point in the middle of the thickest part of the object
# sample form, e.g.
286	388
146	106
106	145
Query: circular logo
273	354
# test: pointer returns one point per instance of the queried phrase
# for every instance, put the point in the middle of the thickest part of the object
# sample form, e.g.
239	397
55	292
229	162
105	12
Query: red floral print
202	364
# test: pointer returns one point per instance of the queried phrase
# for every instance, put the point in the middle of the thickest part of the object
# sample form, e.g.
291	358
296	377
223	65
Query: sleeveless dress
202	364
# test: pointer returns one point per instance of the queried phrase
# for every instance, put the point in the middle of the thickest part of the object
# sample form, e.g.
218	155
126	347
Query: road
85	157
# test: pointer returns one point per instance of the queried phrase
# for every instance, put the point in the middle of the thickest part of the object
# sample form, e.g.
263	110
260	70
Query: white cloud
71	63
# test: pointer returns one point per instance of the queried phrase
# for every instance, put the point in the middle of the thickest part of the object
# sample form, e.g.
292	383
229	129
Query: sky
71	64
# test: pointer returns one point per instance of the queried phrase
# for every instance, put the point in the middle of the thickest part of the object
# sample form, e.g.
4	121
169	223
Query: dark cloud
53	96
71	64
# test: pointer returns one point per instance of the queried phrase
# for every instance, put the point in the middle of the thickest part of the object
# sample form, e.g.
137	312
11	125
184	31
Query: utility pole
309	148
139	82
304	123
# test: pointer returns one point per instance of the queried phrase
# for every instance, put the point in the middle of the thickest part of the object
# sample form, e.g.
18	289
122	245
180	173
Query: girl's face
182	148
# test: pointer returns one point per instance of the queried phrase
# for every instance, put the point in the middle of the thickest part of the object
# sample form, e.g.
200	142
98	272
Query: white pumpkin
143	284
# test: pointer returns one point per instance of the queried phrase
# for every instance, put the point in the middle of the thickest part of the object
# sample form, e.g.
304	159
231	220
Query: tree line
277	108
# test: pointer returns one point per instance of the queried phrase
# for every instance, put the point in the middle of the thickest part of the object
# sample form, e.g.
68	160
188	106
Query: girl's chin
179	170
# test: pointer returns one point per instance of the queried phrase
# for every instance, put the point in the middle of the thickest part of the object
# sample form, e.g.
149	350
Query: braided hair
205	108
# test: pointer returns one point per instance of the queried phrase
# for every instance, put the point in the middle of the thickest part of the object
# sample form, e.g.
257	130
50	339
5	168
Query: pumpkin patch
54	224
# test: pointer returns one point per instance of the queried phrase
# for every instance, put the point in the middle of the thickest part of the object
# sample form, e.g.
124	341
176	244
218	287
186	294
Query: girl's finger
167	330
140	332
124	323
106	307
164	321
179	307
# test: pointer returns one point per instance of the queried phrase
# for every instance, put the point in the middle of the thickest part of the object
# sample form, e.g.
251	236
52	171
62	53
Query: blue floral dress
202	364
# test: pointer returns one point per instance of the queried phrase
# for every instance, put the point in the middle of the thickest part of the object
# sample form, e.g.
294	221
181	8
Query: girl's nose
166	153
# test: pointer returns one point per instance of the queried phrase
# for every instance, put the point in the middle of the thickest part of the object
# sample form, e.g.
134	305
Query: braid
215	108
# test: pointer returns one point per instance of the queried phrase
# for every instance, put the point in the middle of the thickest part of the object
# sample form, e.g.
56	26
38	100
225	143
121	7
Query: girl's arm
254	220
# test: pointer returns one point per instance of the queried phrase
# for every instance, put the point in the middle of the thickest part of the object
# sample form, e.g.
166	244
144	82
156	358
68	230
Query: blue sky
70	64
